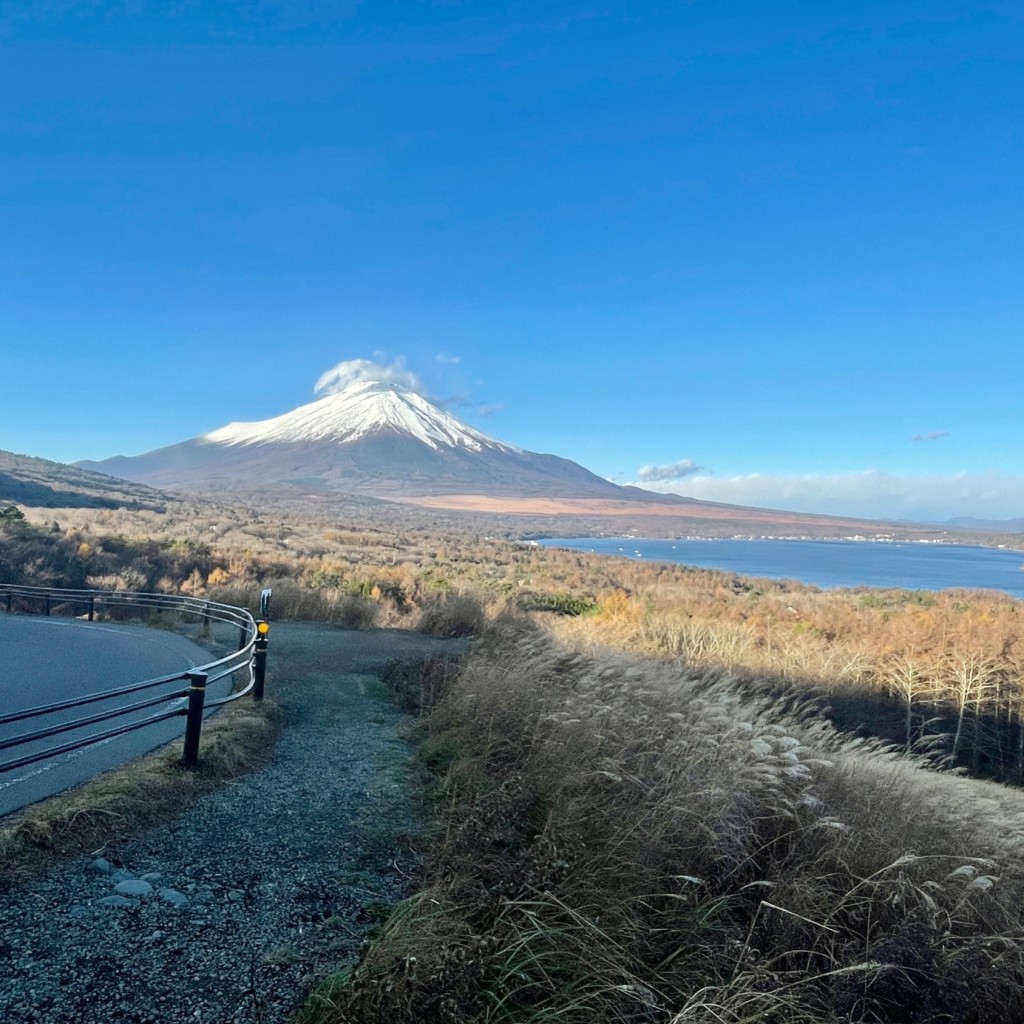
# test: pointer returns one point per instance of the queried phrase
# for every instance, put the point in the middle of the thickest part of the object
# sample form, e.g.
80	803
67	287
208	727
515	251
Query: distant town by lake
828	563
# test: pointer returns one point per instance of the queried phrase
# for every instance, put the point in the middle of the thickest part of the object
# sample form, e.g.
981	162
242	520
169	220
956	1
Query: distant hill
986	525
39	483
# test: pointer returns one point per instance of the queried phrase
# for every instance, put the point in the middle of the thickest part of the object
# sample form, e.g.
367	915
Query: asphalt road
43	660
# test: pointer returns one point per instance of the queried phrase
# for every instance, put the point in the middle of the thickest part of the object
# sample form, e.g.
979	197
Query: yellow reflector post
263	628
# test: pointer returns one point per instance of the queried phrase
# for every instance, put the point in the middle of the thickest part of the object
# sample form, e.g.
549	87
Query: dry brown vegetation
645	817
936	672
933	671
619	839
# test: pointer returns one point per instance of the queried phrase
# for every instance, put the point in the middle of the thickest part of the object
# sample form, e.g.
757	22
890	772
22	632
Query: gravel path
228	913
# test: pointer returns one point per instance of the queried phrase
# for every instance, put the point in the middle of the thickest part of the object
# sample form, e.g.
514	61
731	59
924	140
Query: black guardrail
246	666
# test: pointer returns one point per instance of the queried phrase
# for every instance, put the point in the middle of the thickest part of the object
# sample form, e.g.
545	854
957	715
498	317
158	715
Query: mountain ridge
41	483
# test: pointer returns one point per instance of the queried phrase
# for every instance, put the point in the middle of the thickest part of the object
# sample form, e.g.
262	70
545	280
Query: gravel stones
116	901
172	896
283	859
133	887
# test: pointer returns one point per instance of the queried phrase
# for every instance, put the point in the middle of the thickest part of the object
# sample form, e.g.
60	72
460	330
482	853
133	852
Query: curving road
43	660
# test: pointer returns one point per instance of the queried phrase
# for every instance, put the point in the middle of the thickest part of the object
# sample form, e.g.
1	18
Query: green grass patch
561	604
416	687
324	1002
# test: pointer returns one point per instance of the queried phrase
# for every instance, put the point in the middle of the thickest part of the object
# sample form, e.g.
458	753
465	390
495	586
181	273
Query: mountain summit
374	437
362	409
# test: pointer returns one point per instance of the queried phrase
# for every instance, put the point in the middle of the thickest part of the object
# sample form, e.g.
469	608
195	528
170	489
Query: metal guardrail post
194	719
204	629
259	659
58	600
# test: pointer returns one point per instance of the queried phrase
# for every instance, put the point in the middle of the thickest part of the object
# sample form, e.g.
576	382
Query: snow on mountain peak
362	408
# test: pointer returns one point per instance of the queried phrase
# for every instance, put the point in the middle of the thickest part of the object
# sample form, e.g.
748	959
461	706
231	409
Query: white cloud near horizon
672	471
355	371
868	494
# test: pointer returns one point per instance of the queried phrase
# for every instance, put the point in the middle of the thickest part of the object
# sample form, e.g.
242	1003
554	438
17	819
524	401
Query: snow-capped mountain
361	410
376	438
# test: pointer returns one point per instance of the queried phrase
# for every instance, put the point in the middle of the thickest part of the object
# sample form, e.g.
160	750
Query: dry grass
938	672
293	602
128	800
627	840
452	615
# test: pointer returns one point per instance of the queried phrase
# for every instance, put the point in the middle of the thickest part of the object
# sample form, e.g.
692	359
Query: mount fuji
373	435
377	438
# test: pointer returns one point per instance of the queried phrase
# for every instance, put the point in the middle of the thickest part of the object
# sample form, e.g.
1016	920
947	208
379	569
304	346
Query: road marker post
194	719
259	659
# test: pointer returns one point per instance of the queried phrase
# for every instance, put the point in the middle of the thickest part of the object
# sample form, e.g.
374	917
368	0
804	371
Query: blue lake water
839	563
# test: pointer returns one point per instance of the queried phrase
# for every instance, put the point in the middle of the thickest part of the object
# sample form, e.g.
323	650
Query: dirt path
255	887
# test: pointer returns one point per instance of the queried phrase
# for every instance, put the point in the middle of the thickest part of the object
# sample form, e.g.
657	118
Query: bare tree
971	680
906	677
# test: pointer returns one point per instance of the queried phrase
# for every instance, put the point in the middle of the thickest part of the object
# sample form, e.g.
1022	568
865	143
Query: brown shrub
452	616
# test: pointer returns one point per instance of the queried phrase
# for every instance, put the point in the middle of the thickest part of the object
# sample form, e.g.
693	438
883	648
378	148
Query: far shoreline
955	565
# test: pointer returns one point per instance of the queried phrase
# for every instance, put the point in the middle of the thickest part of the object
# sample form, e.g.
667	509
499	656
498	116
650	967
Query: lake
829	563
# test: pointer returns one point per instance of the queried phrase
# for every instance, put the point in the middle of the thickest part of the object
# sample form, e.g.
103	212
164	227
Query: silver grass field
616	838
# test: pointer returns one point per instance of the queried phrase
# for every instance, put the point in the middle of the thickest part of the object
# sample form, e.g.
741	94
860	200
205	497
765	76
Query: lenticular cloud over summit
364	371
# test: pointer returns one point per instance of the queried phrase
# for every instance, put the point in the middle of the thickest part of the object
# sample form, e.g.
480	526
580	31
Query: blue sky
745	251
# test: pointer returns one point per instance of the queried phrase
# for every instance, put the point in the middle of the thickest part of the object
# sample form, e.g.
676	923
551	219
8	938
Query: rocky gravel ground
229	913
